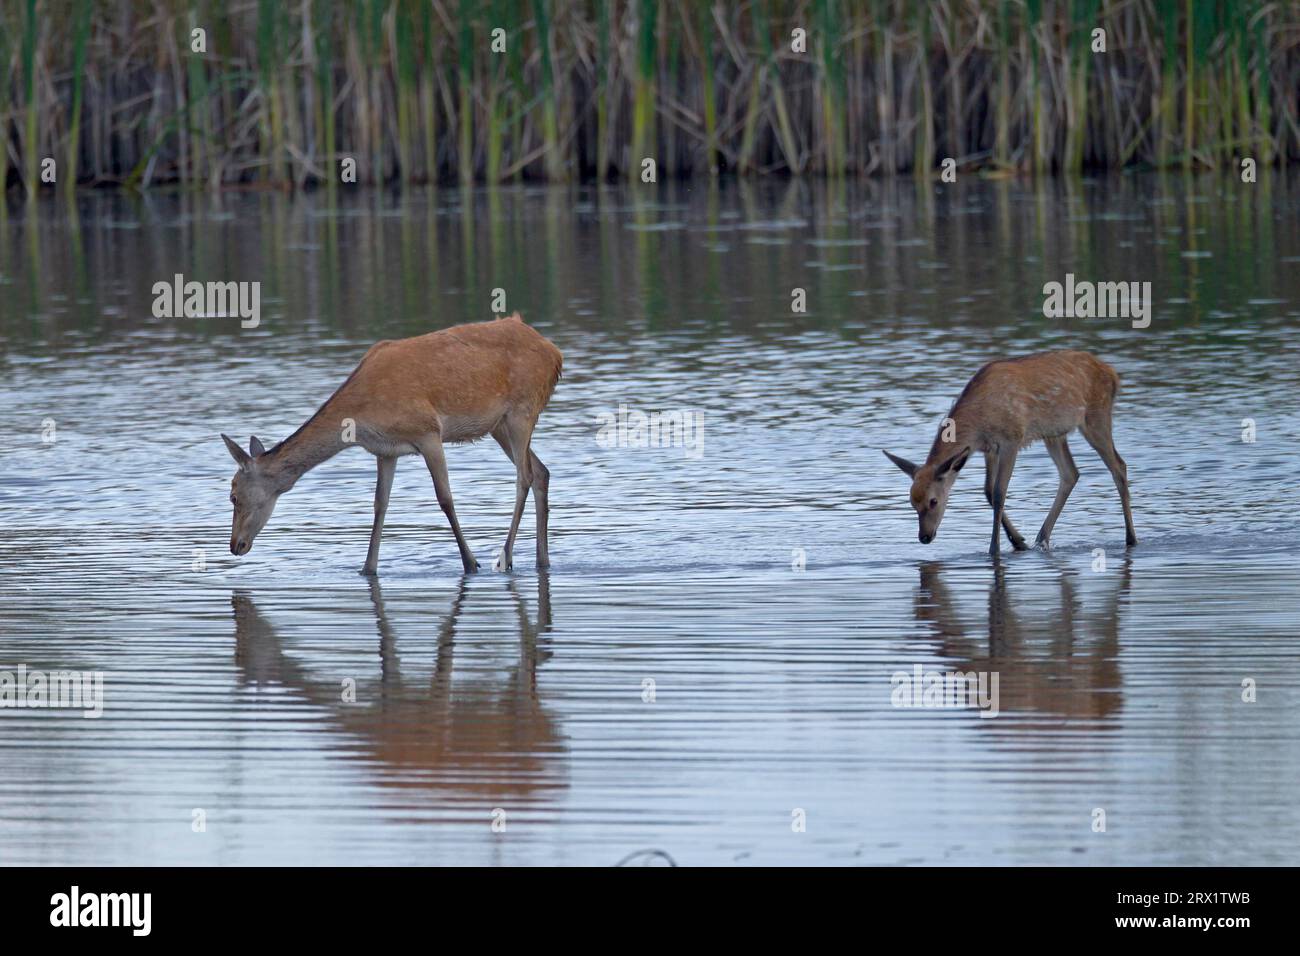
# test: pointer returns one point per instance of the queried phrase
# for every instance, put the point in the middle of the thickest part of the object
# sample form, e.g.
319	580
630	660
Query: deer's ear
902	463
954	462
255	447
237	453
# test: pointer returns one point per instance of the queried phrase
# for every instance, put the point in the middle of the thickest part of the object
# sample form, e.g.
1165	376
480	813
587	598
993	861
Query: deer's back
1044	395
462	380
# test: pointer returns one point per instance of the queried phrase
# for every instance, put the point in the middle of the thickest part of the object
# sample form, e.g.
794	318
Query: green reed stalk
313	118
832	87
405	28
375	46
80	34
1002	101
1189	87
169	36
602	90
6	48
325	96
291	101
465	63
923	154
1207	27
29	94
708	90
1263	87
517	92
200	107
954	107
749	134
221	42
785	130
883	52
1168	80
266	61
428	104
1033	26
643	88
1228	98
671	56
1244	125
1077	107
550	122
495	117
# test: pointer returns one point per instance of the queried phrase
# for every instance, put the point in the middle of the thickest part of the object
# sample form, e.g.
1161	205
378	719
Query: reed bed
494	90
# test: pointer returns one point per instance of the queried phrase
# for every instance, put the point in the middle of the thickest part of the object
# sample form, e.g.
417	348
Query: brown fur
409	397
1007	405
1022	400
460	382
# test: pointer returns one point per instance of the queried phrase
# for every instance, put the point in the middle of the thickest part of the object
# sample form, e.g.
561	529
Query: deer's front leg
1014	536
1006	461
436	459
384	484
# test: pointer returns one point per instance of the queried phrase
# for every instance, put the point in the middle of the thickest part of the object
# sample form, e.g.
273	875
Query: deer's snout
925	538
239	546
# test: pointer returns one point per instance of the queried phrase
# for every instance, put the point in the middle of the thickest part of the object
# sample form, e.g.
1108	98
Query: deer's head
253	492
930	487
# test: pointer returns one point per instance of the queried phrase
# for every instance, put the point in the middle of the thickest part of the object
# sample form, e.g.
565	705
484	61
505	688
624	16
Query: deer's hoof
501	563
369	572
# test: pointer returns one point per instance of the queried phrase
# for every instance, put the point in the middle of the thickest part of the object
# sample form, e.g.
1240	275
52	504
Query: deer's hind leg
514	435
1096	429
1014	536
1060	452
541	502
515	439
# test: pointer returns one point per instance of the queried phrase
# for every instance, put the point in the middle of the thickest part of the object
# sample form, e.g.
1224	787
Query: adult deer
411	397
1007	405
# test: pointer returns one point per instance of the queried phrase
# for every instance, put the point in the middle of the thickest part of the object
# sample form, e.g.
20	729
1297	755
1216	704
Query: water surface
709	659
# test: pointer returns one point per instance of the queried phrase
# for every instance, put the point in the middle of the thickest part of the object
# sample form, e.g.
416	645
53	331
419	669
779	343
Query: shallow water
767	578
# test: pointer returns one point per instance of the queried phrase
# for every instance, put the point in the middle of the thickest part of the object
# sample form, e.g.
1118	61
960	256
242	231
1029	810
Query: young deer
410	397
1006	406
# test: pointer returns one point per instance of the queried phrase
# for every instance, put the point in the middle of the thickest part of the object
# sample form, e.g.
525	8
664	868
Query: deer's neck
320	439
955	433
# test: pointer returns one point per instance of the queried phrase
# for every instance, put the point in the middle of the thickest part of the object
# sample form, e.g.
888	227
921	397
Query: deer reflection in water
476	739
1057	660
